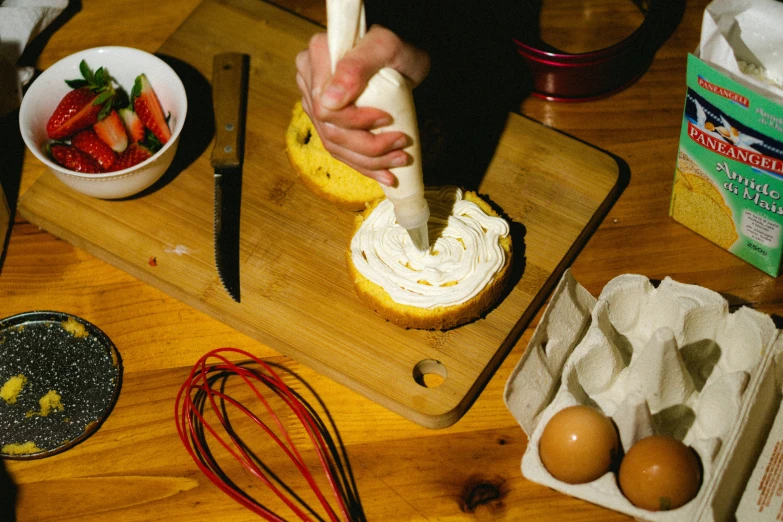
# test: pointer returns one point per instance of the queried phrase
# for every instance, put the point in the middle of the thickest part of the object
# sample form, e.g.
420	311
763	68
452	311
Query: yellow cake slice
698	204
325	176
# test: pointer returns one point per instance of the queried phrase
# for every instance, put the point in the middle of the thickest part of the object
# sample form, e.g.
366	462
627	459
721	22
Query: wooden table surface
135	468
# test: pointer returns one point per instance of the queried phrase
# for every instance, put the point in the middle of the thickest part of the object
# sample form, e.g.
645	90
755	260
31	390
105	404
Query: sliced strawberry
111	131
75	112
89	101
133	125
148	109
89	142
72	158
133	155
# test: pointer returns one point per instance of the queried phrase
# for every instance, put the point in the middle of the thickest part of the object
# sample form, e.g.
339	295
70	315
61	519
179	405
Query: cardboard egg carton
668	359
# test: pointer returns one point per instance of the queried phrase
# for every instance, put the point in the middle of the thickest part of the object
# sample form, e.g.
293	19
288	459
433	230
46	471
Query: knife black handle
229	101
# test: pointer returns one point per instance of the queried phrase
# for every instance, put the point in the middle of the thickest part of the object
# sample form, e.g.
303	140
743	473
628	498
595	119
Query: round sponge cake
464	273
325	176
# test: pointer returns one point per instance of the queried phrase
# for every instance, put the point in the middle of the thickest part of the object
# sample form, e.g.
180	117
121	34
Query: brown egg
660	473
579	444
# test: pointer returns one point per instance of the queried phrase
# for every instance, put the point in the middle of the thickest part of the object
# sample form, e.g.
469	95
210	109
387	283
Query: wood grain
295	288
602	23
134	467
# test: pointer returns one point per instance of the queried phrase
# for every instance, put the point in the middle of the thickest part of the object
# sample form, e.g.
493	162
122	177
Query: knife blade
229	101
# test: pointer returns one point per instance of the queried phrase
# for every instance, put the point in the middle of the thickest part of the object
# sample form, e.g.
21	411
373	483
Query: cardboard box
763	497
575	356
728	183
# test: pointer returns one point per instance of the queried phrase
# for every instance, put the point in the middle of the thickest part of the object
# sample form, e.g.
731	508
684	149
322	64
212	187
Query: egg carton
669	359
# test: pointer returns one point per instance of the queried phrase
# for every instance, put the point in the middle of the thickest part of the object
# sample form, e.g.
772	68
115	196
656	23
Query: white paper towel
20	22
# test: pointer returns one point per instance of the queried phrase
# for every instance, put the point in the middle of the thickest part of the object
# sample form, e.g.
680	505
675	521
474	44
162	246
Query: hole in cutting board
429	373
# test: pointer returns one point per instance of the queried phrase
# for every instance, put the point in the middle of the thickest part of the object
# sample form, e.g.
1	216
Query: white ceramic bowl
124	64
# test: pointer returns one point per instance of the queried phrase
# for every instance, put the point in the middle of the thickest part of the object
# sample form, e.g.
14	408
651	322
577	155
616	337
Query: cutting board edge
540	299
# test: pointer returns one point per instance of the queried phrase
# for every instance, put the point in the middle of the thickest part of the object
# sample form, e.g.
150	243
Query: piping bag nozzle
412	214
420	237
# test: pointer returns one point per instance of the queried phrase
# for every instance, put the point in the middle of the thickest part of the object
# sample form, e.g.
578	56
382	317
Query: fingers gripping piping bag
389	91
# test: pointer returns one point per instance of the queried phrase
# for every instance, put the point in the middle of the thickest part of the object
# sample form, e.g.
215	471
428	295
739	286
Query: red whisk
205	396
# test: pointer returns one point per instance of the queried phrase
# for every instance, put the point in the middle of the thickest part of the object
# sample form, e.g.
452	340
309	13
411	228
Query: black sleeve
475	80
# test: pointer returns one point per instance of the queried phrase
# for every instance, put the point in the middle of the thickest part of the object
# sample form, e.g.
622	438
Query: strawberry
89	101
133	155
111	131
133	125
147	107
72	158
88	141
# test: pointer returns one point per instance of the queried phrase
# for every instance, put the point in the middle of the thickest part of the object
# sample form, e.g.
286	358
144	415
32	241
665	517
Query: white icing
464	258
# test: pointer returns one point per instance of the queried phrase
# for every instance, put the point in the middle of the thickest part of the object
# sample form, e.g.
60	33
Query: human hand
344	128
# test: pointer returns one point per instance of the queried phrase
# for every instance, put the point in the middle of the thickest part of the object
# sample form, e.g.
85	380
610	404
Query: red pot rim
559	76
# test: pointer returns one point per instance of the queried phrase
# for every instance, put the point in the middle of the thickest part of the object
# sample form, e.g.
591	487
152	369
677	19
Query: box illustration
728	183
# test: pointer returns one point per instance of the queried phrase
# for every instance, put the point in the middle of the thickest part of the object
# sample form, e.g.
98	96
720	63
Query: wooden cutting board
296	293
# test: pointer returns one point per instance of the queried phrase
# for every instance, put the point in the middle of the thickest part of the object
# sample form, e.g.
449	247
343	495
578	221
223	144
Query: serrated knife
229	101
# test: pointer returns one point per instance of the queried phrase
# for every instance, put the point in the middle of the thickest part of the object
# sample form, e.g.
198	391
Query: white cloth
20	22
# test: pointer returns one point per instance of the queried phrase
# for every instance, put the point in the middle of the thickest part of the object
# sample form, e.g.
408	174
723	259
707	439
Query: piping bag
389	91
